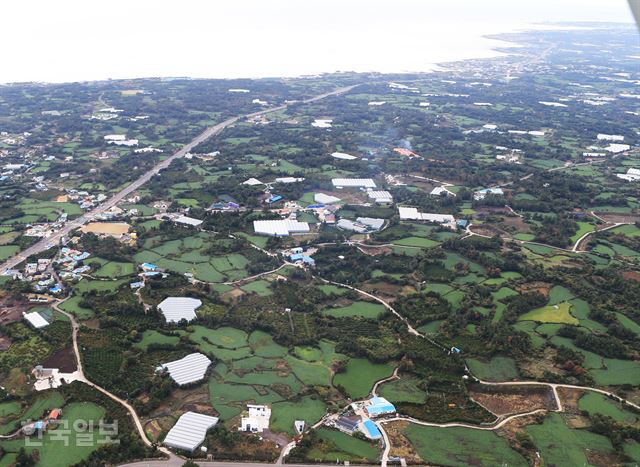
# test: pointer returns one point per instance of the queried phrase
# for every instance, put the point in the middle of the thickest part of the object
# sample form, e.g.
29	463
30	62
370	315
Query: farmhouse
348	425
280	227
256	419
188	369
189	431
175	309
353	183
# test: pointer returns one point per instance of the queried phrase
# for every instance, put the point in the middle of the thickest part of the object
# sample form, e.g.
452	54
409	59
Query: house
175	309
252	182
274	199
343	156
439	190
256	420
289	179
632	175
299	257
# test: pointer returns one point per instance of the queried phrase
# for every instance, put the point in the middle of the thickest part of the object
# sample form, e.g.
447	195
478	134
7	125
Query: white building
343	156
187	370
252	182
189	431
632	175
280	227
437	191
36	320
415	215
188	221
289	179
256	420
175	309
115	137
481	194
380	196
353	183
606	137
617	147
325	199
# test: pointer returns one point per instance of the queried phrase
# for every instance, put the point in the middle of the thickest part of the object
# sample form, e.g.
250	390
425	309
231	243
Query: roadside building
256	419
380	196
325	199
370	430
348	425
481	194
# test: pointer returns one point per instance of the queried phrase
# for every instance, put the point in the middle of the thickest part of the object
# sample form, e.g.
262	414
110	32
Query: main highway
70	226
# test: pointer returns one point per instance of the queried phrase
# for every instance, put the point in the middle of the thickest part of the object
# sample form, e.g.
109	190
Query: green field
113	269
560	445
63	450
72	305
259	287
497	369
360	375
365	309
593	403
340	447
404	389
420	242
150	337
283	414
462	447
583	228
9	408
560	313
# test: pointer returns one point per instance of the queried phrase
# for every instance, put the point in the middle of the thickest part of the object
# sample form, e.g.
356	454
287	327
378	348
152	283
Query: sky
77	40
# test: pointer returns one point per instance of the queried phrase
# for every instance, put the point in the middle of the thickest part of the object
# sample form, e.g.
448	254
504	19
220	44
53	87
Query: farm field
497	369
337	446
560	445
462	447
360	308
560	313
360	375
403	390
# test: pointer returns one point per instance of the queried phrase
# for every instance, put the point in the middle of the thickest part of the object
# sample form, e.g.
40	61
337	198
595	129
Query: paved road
70	226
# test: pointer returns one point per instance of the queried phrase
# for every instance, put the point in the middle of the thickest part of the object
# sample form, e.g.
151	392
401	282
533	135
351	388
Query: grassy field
628	230
403	390
560	313
359	308
497	369
360	375
462	447
9	408
72	305
599	403
583	228
150	337
559	294
62	450
113	269
417	242
283	414
310	373
340	447
329	289
259	287
560	445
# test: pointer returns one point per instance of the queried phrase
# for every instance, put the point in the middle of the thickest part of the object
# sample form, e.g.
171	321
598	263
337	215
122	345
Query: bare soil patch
517	223
372	250
5	342
631	276
106	228
400	445
487	230
569	398
506	400
540	287
64	360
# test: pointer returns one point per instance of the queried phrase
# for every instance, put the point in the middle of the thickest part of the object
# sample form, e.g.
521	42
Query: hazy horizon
82	41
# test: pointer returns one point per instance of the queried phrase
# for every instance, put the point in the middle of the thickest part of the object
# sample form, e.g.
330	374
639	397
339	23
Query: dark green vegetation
513	297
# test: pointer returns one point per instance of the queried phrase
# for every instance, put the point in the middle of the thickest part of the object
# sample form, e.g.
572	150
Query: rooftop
189	431
176	309
189	369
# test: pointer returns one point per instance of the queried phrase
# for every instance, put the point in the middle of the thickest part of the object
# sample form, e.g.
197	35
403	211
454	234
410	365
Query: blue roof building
315	206
304	258
274	199
378	406
148	266
462	223
370	430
